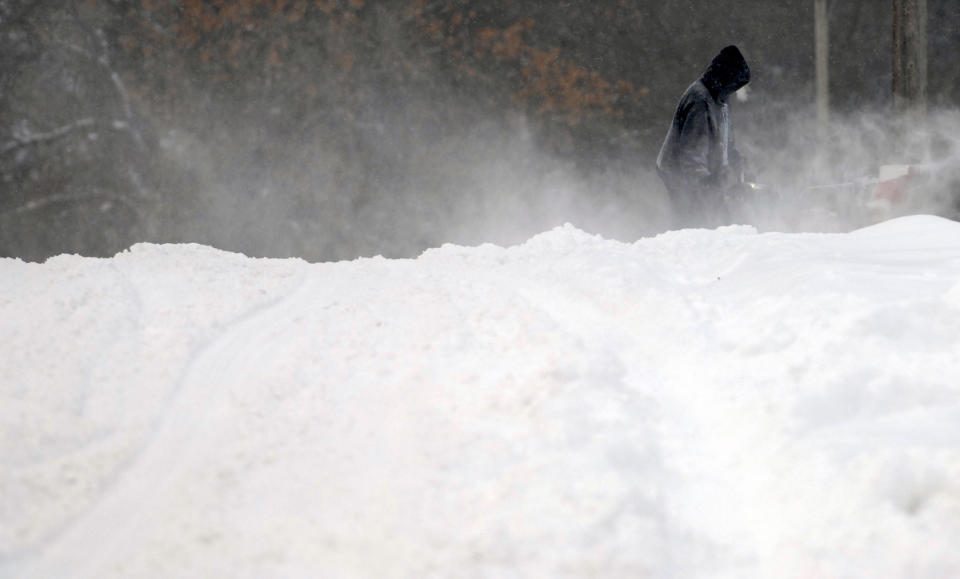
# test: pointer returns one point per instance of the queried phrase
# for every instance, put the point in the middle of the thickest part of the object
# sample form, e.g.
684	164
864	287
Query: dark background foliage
329	129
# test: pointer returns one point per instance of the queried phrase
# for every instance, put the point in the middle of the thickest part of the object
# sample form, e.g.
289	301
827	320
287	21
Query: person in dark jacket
698	162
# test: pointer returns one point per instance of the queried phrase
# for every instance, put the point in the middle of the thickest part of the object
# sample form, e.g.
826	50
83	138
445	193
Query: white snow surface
704	403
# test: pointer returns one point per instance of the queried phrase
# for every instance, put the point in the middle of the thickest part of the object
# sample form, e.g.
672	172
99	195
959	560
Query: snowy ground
699	404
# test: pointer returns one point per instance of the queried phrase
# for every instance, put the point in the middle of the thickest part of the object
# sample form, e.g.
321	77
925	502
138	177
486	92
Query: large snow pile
700	404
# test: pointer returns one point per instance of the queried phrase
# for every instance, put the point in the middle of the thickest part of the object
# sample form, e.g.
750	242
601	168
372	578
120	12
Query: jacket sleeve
694	140
738	163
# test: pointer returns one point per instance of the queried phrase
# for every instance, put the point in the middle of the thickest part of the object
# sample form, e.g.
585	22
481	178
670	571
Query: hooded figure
698	162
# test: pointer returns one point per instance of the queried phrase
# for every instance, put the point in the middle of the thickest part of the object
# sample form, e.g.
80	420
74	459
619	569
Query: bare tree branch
24	140
104	60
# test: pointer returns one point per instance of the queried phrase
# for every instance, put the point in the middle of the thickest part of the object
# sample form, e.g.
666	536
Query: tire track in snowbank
178	445
586	409
57	442
607	419
666	380
619	404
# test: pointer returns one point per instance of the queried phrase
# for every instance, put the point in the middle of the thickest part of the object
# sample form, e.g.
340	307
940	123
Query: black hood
726	74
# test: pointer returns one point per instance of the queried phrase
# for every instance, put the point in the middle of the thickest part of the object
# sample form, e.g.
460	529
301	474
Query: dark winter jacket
698	152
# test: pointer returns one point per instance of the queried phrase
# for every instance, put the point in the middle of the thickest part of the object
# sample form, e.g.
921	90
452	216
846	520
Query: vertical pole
910	58
822	53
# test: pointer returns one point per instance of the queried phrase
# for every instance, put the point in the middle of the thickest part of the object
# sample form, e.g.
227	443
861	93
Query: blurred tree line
333	128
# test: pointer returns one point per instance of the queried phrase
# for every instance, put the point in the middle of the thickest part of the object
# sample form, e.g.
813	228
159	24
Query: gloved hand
737	192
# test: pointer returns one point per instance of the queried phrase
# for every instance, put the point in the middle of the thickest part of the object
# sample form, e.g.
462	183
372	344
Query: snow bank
703	403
